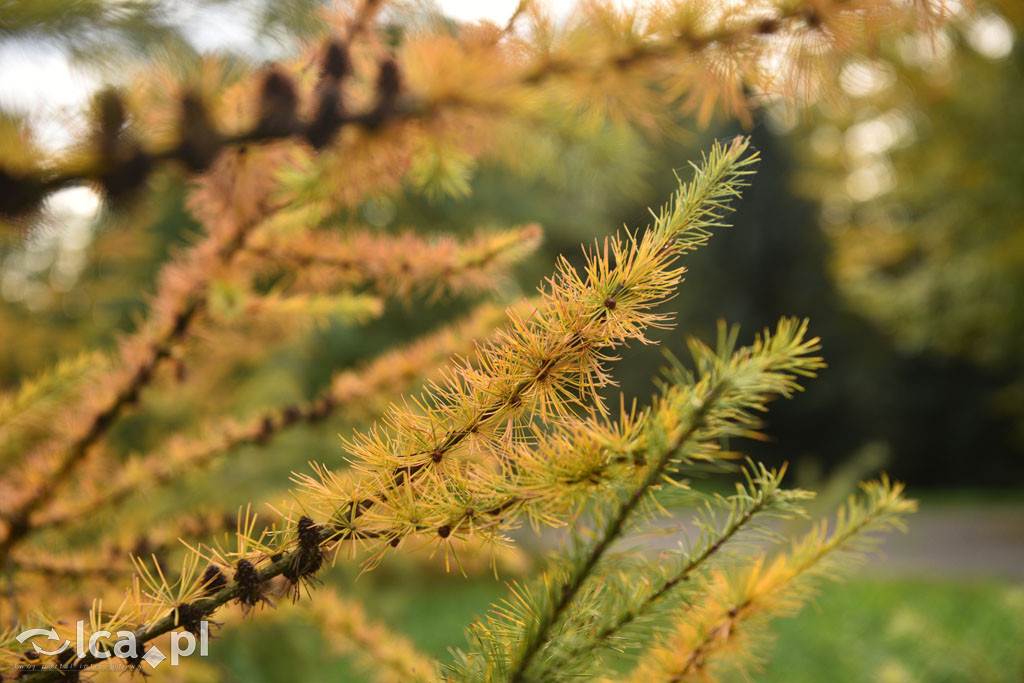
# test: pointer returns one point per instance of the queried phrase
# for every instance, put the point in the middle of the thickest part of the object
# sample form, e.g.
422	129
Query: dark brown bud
125	165
213	580
181	323
336	64
190	618
136	661
110	120
248	581
321	409
144	373
290	415
328	117
388	80
444	531
127	173
309	533
180	371
17	194
388	85
141	547
69	673
309	557
278	104
200	142
266	428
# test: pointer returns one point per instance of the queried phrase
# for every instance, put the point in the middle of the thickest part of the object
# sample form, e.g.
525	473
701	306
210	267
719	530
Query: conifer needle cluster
521	433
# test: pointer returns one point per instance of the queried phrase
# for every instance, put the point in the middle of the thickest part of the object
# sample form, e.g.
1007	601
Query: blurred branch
357	395
742	39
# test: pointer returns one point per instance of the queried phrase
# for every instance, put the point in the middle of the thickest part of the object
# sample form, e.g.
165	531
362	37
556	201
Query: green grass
892	631
884	630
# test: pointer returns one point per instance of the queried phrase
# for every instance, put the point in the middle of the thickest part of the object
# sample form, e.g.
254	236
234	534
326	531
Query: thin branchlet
762	497
642	275
731	388
357	394
142	354
545	366
736	606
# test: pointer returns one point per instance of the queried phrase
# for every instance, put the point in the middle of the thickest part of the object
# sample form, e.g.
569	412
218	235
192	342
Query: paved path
943	541
958	540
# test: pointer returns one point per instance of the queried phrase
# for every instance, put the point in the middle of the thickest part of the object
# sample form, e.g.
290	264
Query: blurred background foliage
891	217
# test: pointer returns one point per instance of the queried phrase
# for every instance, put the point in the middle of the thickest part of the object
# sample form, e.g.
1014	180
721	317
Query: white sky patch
55	249
39	81
495	11
499	11
991	36
38	76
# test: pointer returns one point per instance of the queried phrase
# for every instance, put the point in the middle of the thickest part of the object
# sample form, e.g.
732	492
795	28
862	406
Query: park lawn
870	629
892	631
